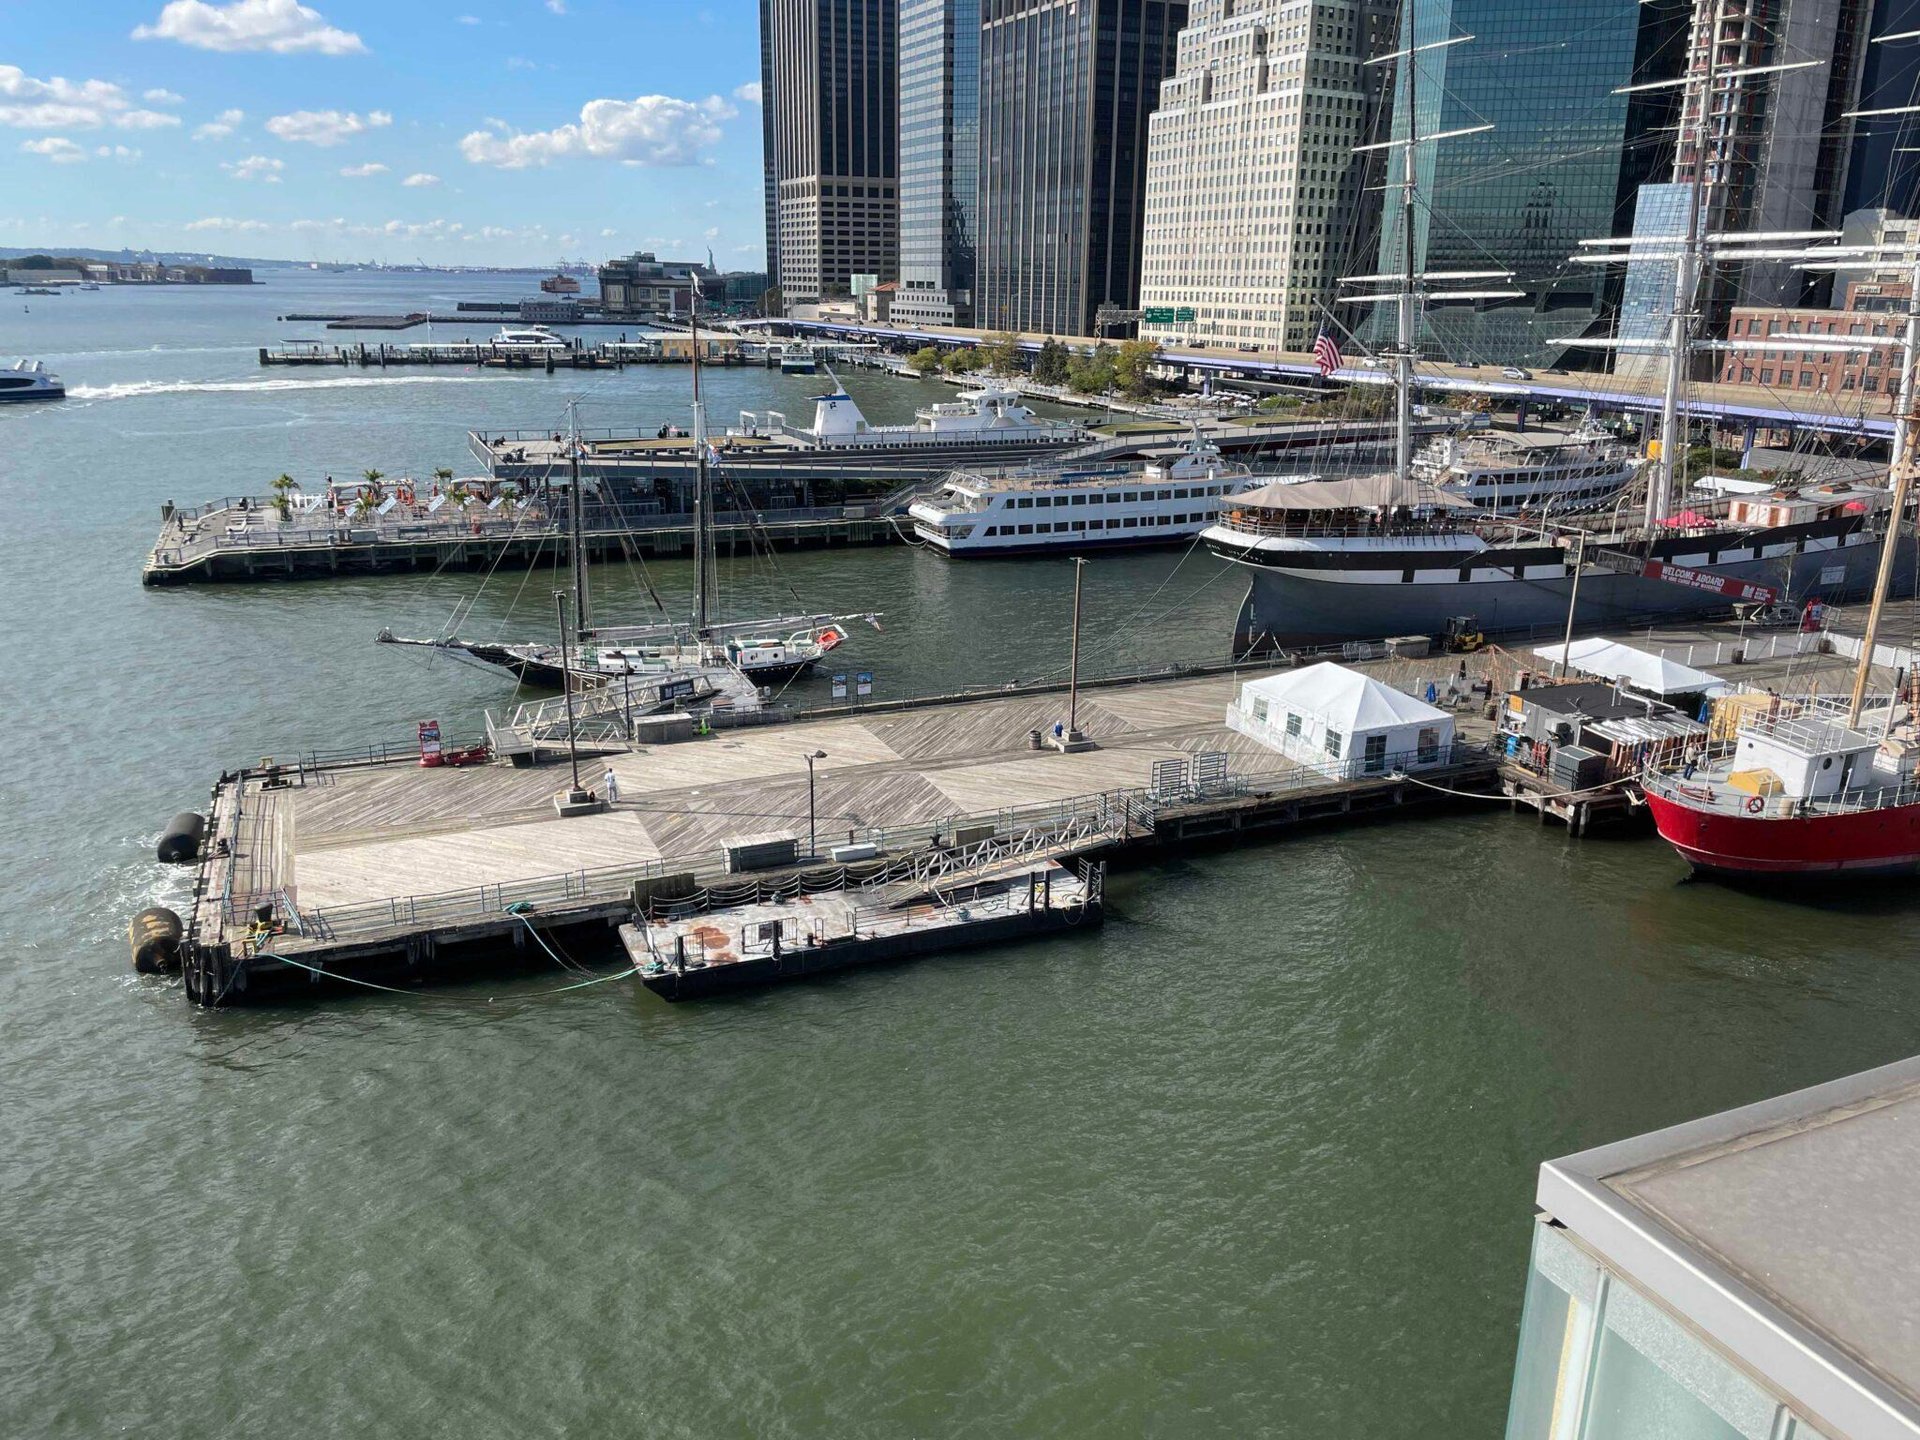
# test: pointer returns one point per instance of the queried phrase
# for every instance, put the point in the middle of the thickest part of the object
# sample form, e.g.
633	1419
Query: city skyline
481	132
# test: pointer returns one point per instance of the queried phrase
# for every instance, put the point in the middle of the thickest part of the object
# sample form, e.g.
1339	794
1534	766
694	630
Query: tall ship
1416	548
675	660
1102	507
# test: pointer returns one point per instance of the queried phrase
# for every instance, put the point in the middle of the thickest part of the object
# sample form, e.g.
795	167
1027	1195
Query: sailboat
1358	561
769	651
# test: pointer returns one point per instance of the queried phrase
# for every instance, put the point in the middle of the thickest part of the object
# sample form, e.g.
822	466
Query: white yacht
1529	474
990	416
531	337
1078	509
29	380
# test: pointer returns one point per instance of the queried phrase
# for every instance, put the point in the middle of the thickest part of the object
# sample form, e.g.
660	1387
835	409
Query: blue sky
476	131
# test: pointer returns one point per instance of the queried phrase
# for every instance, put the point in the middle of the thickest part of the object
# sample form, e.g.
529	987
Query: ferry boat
1530	474
798	358
560	284
991	417
1803	792
28	380
1105	507
532	337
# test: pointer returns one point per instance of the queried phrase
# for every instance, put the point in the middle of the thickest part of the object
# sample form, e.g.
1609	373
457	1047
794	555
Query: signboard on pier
840	687
429	732
863	683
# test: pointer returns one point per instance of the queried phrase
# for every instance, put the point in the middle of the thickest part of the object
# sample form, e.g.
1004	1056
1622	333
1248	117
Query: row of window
1114	497
1075	527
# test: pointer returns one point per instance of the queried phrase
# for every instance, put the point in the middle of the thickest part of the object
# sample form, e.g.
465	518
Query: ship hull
1862	844
546	675
1289	608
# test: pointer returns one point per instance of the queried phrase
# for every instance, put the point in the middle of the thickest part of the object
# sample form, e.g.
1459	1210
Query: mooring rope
624	973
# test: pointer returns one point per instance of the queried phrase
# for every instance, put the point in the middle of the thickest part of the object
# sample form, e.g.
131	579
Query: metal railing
1122	812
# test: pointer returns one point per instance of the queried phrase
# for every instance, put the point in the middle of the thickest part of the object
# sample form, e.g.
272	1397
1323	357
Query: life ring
1755	804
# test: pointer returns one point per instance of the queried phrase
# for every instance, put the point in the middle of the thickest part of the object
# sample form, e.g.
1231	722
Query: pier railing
1120	814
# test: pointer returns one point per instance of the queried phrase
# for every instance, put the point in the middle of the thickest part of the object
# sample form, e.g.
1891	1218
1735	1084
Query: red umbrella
1686	517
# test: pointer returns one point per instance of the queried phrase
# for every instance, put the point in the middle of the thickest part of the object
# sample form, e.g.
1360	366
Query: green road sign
1158	315
1183	316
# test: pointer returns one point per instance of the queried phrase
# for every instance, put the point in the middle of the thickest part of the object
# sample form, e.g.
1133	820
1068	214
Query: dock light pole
577	795
810	758
1073	663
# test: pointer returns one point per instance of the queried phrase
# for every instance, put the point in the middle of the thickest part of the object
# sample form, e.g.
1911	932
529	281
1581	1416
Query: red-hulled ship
1802	794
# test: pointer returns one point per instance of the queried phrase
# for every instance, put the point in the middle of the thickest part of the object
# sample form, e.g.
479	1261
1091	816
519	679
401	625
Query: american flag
1326	354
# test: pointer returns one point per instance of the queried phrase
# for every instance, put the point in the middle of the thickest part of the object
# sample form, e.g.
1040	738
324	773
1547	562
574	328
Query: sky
491	132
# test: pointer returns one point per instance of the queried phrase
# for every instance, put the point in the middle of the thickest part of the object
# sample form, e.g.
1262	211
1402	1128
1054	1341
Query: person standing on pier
613	787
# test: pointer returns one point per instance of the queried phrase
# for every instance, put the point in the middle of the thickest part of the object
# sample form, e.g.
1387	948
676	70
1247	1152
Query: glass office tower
1066	87
939	160
1562	164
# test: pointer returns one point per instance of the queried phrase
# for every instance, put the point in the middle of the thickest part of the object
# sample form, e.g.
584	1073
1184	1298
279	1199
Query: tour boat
535	337
28	380
1530	474
560	285
1103	507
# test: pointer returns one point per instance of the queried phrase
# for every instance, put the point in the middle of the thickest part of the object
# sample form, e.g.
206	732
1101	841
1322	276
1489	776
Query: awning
1648	673
1363	492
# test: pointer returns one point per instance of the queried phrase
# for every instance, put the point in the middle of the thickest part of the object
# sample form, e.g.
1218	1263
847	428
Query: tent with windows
1341	722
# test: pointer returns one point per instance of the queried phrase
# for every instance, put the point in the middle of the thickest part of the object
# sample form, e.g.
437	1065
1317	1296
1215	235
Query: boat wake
134	389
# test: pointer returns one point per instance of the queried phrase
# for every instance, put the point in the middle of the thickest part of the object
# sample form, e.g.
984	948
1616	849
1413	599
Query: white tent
1638	669
1341	722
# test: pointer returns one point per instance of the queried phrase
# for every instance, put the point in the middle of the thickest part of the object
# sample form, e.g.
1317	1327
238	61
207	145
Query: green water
1256	1158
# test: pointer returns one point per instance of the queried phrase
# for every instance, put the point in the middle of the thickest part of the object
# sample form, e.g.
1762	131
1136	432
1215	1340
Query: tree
1050	366
961	362
1091	374
924	361
1001	353
1133	367
283	486
443	473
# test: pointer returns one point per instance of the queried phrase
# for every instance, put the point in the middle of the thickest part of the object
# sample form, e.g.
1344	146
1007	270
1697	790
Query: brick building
1873	310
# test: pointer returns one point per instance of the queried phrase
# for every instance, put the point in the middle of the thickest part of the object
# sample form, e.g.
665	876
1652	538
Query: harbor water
1256	1158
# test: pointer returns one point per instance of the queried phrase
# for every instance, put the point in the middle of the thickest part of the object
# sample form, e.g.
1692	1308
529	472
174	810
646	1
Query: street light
815	755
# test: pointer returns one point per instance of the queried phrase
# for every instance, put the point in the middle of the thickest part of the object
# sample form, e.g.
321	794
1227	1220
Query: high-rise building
1884	170
1253	189
830	92
939	160
1066	87
769	176
1563	162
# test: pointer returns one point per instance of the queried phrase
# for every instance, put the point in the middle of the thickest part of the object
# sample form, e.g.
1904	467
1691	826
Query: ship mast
702	491
576	544
1410	292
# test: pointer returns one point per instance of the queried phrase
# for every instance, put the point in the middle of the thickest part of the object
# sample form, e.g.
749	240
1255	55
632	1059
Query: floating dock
372	868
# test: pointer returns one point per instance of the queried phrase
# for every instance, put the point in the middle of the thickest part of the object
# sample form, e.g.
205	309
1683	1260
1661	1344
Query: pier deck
390	866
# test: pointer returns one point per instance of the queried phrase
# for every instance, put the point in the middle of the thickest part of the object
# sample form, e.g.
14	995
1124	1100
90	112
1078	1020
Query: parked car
1514	372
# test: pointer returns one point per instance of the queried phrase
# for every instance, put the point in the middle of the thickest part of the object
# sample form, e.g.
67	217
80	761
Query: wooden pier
544	360
231	541
372	868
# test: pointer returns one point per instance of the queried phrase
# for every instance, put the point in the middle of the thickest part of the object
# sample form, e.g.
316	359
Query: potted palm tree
283	486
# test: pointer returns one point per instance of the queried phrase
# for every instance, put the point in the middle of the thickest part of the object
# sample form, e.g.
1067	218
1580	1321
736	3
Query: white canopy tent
1636	669
1341	722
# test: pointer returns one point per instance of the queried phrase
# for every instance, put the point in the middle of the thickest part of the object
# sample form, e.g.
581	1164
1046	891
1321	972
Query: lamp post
810	758
1073	663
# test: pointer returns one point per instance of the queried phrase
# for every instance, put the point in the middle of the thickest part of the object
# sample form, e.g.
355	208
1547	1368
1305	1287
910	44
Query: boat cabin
1825	502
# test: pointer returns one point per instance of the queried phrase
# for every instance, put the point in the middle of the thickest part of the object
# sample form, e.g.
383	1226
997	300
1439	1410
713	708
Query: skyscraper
1253	189
770	180
1563	163
829	89
1066	87
939	160
1884	171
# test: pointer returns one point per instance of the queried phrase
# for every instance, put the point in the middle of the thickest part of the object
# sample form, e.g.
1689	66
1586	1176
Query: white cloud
56	148
649	130
748	93
144	120
713	234
284	27
117	152
420	181
161	97
221	222
558	7
222	126
469	19
63	104
606	234
256	167
361	172
325	127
